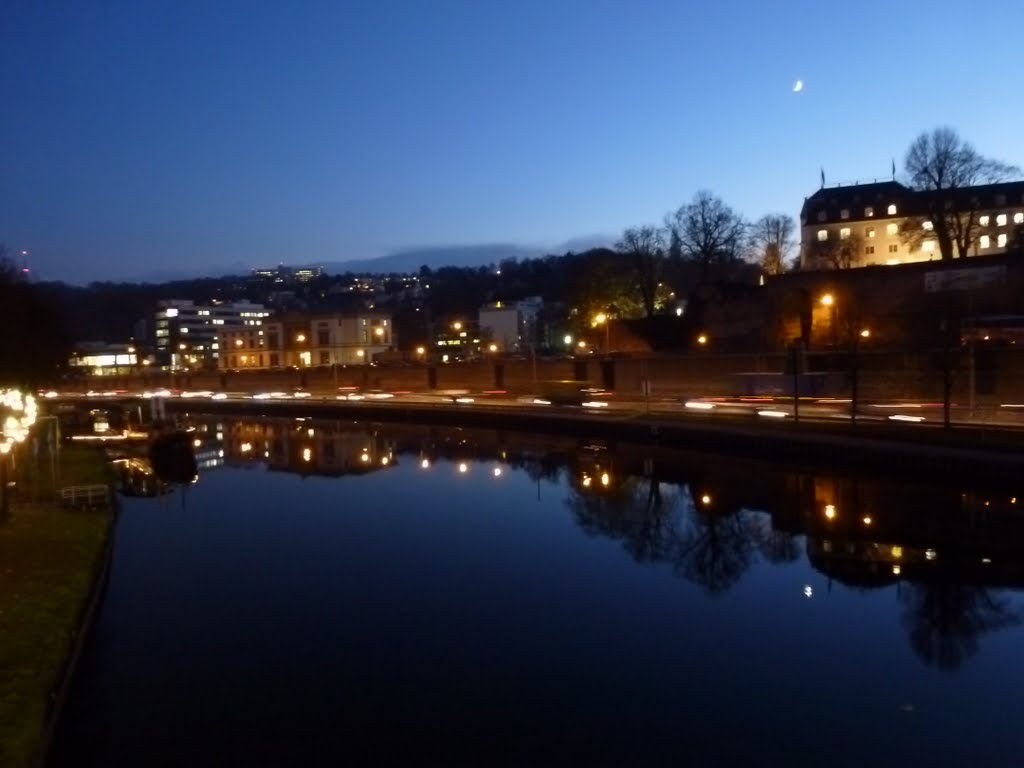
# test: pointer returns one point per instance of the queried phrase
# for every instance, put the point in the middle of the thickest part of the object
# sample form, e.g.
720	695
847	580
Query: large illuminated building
98	358
860	225
186	333
303	341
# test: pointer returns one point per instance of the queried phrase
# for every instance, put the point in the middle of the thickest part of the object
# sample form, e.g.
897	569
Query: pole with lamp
864	334
829	302
602	319
5	494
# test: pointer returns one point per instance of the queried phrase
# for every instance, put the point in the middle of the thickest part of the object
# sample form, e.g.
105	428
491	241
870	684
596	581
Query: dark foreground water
360	595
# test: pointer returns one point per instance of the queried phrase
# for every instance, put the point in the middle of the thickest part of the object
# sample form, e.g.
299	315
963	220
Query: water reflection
946	552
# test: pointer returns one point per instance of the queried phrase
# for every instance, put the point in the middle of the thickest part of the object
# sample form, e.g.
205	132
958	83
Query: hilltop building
887	223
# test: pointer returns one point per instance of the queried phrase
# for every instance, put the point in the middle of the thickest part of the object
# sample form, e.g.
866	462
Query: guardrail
84	496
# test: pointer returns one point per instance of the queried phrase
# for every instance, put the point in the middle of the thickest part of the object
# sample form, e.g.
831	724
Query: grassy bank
49	558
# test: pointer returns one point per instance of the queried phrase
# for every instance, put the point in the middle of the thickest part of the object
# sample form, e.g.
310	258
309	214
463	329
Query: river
346	593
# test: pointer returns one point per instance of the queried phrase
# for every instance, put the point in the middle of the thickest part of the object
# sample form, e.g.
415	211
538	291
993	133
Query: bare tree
771	242
842	253
708	232
644	247
944	165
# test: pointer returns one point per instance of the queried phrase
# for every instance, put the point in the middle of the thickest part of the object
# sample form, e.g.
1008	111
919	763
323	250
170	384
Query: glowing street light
702	339
827	300
300	338
602	319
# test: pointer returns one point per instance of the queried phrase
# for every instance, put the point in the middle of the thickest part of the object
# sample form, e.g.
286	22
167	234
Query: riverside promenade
54	560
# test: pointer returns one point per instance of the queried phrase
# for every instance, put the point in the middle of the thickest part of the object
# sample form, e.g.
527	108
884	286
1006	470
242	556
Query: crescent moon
798	86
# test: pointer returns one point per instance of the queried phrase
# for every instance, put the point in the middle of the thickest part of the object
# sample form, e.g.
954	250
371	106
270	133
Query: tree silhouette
943	165
944	619
717	548
771	242
32	336
708	232
643	247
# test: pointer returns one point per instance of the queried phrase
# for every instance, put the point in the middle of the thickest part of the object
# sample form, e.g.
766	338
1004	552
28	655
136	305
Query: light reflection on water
416	594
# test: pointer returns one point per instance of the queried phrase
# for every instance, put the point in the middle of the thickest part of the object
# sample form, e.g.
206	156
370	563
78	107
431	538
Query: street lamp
5	448
602	319
865	334
829	302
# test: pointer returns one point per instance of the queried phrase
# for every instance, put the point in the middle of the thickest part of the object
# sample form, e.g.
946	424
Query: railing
84	496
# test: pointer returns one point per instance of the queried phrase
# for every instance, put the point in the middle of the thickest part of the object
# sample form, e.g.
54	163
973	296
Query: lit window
892	209
928	246
869	212
928	226
894	249
844	214
869	231
1018	218
985	242
1001	241
1001	220
172	312
844	233
822	235
892	229
983	221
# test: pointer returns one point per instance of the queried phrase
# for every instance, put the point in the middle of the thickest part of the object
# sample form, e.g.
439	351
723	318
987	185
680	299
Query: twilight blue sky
169	134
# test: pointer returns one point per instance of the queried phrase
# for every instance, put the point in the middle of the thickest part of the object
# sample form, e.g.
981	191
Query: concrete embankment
973	454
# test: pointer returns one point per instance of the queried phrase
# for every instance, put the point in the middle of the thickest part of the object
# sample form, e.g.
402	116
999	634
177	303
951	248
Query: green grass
49	558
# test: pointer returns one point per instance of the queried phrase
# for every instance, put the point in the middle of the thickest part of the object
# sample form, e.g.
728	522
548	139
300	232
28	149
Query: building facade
511	325
305	341
98	358
886	223
186	333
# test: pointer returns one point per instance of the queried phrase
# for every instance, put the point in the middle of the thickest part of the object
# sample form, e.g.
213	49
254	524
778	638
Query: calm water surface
330	594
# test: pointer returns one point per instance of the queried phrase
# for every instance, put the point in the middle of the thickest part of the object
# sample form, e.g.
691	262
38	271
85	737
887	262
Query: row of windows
1001	219
869	211
892	229
986	241
869	232
928	246
252	360
870	249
